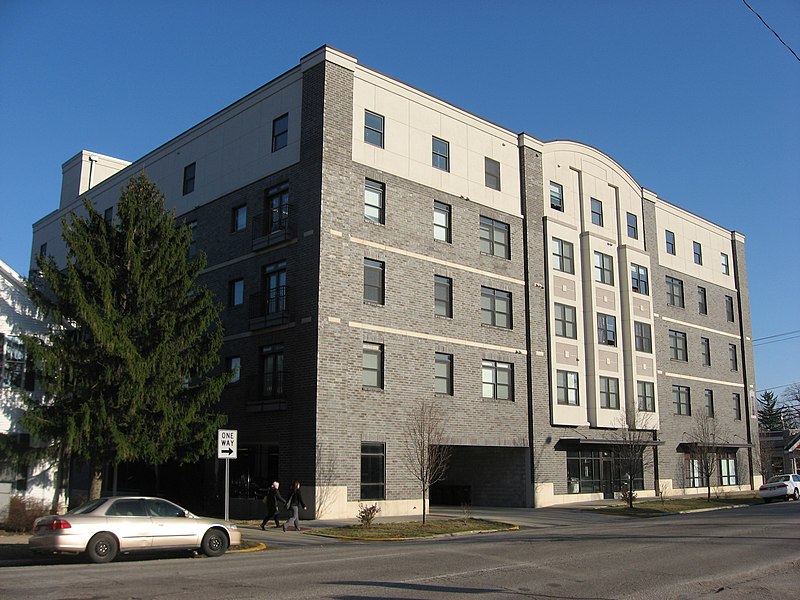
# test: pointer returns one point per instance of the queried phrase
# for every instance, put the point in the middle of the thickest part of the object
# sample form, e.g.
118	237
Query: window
734	357
737	407
643	337
275	285
670	238
677	345
609	392
373	281
373	471
495	307
567	388
373	128
441	222
592	471
709	397
563	253
647	396
498	380
726	268
705	351
43	250
108	215
239	218
193	241
441	154
495	238
682	400
374	192
372	365
556	196
492	173
606	329
272	373
603	268
236	292
277	208
695	474
565	321
233	365
674	292
727	468
597	212
639	281
188	178
443	374
698	253
280	132
442	296
702	301
633	226
12	362
729	308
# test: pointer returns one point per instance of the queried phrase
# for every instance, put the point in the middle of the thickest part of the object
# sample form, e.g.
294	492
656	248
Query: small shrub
466	512
22	512
366	514
629	496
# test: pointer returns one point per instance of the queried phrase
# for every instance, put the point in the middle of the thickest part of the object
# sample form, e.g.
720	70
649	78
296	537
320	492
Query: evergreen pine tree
126	366
770	415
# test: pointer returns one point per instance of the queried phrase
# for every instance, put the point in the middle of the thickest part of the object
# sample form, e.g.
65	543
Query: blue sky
698	100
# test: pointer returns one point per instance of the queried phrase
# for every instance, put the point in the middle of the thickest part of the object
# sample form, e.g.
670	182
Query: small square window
639	280
188	178
603	268
441	154
565	321
567	388
495	307
563	256
280	132
497	379
609	392
373	128
647	396
674	291
495	238
556	196
681	400
677	346
492	173
239	218
597	212
606	329
373	281
643	337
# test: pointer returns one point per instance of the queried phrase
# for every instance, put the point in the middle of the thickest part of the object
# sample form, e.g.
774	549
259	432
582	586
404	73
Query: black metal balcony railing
272	227
269	307
267	392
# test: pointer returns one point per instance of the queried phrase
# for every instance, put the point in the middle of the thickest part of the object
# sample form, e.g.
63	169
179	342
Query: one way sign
226	443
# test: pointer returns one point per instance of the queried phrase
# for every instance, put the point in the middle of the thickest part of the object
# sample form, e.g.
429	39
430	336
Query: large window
441	222
373	128
443	374
280	132
372	365
603	268
563	253
497	379
374	192
643	337
567	388
674	291
639	281
590	471
442	296
373	471
727	468
373	281
275	284
695	474
565	321
606	329
12	367
188	178
677	346
277	208
492	173
681	400
609	392
272	373
495	307
495	238
597	212
556	196
441	154
647	396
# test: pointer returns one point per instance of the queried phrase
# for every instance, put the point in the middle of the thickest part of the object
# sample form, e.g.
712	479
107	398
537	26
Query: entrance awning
689	447
572	442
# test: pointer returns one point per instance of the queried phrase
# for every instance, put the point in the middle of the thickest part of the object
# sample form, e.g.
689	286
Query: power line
773	341
777	387
769	337
771	29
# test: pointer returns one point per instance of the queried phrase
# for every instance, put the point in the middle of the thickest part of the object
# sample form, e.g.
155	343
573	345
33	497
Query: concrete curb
257	548
511	527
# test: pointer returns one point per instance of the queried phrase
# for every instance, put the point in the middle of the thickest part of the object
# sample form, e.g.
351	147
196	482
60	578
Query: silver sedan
105	527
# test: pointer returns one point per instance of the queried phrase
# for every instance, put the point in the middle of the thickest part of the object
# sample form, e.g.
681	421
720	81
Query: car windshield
778	478
88	507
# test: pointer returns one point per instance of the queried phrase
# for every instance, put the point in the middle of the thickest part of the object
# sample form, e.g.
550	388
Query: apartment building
374	246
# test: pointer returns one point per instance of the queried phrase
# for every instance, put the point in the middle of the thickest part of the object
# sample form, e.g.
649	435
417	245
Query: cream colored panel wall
411	120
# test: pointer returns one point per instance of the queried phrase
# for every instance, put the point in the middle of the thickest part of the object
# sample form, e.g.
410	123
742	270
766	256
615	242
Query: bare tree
425	453
326	478
791	406
706	441
632	447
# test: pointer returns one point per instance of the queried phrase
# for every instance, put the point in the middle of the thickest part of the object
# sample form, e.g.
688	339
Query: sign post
227	450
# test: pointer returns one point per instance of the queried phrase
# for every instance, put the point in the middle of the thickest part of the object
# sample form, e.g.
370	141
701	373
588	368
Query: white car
105	527
781	486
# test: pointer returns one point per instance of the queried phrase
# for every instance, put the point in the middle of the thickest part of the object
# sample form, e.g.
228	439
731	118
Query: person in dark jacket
271	499
294	503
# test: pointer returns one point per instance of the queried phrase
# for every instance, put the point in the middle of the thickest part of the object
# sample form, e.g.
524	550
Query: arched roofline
597	154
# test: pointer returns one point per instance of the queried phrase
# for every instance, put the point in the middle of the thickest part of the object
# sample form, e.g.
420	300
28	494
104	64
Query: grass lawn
412	529
654	508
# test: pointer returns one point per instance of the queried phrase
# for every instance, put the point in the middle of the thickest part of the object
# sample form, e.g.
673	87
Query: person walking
271	499
294	503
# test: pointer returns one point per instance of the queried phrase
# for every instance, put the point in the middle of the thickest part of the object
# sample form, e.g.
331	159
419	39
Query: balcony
272	228
268	392
269	308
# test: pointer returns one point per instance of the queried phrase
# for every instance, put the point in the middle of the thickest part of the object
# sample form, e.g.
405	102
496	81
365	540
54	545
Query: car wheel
215	542
102	548
796	495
